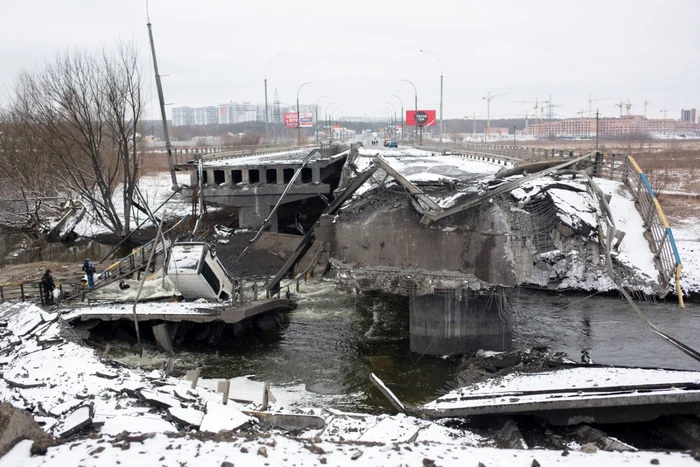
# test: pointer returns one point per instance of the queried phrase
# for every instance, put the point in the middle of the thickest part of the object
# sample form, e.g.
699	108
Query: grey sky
355	51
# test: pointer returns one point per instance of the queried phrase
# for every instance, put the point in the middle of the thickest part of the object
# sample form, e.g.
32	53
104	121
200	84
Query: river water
333	340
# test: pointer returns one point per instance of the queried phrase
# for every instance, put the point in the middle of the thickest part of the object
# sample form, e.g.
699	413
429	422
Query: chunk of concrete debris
191	417
159	399
290	422
183	395
76	421
107	374
3	323
223	417
155	374
23	383
60	409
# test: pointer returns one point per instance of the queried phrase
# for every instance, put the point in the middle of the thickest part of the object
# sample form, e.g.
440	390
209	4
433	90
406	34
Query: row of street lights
415	91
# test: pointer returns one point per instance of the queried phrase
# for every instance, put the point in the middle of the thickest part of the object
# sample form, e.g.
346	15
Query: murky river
334	340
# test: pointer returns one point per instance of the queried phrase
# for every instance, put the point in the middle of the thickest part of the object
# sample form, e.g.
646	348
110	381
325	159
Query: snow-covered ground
69	389
156	189
687	235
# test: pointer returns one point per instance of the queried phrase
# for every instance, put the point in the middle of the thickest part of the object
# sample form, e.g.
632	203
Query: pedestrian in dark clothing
89	268
48	286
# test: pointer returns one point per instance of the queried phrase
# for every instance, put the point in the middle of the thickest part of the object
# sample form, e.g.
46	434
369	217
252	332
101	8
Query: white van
197	273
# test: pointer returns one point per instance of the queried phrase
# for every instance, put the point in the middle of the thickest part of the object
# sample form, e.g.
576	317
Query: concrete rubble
98	412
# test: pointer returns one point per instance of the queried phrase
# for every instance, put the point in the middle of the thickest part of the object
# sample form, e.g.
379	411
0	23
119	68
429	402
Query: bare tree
83	109
26	182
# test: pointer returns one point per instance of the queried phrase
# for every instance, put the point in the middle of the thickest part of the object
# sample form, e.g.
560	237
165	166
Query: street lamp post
439	61
316	121
393	128
415	93
331	123
266	118
328	117
299	114
403	128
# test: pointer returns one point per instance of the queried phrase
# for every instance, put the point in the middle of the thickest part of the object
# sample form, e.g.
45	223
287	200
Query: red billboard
290	120
425	117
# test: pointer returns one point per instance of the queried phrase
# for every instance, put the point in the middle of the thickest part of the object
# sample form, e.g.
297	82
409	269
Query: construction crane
590	101
488	100
536	108
646	103
621	105
628	107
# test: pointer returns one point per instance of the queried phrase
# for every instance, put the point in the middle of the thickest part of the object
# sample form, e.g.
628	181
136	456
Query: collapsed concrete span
456	239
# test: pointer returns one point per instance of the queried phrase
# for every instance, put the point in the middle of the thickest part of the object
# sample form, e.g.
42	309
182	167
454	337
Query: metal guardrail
625	169
509	151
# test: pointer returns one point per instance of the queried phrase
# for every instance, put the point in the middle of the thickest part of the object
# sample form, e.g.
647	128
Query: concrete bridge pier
449	323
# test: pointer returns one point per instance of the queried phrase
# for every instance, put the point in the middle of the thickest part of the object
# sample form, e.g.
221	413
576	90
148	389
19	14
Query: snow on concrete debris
499	390
278	450
635	250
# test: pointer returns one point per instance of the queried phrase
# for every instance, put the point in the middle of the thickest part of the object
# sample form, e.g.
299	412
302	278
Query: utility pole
161	100
299	114
267	132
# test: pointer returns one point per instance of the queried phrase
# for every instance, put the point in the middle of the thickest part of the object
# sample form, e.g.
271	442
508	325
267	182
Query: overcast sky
356	51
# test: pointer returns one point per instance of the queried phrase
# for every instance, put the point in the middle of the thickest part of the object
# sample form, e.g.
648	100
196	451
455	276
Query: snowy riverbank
103	413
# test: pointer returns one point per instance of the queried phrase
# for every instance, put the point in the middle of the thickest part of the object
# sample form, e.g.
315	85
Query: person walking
89	268
48	286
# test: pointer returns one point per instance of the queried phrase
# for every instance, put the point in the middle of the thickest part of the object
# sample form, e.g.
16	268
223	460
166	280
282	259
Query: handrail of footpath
655	219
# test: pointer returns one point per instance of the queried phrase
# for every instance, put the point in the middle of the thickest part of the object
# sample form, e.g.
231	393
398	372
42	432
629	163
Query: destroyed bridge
454	230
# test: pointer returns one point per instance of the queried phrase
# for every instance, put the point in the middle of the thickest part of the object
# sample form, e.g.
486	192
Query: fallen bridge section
575	395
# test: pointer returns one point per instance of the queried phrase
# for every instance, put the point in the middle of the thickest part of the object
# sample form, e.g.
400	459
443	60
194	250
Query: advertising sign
290	120
421	118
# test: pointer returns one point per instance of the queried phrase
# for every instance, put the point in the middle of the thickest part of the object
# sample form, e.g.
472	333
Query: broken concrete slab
220	417
584	394
184	395
106	374
60	409
76	421
23	383
190	417
290	422
159	399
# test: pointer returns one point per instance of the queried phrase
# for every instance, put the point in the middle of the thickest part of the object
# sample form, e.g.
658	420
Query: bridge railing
624	168
511	151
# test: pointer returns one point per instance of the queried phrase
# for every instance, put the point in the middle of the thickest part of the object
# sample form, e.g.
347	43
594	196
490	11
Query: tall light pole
440	62
393	130
328	119
403	129
388	114
299	115
267	132
316	124
415	93
331	122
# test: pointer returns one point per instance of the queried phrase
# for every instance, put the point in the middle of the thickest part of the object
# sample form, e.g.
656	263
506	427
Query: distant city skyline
636	50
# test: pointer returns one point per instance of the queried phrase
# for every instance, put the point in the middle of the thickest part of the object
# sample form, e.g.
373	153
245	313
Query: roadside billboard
290	120
425	117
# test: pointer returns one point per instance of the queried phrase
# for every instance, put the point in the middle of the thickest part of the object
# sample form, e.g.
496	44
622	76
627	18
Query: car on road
393	144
